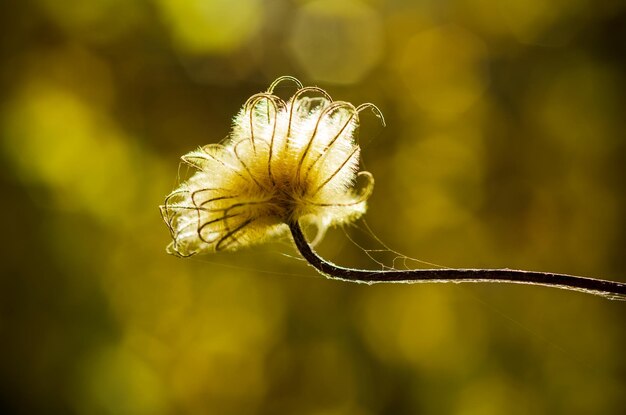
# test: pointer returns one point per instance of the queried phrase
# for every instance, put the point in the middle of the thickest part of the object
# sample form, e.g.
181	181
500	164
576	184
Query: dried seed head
283	162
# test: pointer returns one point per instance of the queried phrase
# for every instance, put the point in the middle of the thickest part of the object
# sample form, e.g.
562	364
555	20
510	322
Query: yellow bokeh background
504	147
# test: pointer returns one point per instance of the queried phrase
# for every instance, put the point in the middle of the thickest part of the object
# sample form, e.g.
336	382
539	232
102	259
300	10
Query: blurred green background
505	147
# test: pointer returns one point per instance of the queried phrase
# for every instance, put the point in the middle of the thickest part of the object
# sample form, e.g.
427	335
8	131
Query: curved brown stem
609	289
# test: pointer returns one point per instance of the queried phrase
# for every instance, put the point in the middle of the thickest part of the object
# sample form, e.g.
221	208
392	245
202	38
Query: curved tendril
325	112
283	79
190	160
179	254
245	166
277	103
295	98
168	207
166	203
250	107
325	182
255	102
174	193
231	234
254	99
224	218
358	110
232	168
374	109
209	189
367	192
271	149
252	128
165	216
327	148
215	199
208	210
176	209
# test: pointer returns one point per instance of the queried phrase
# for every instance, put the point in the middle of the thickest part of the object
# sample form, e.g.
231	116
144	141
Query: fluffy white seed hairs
283	162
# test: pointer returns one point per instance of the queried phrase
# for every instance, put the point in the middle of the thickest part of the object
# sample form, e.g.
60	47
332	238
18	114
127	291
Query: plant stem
609	289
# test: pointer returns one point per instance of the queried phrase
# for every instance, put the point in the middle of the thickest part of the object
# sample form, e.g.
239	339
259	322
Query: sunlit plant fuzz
283	162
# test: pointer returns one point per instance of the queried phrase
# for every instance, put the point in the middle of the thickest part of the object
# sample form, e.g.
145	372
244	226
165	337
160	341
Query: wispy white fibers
283	162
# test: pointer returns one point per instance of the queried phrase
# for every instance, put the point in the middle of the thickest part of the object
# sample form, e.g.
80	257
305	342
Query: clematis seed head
282	162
